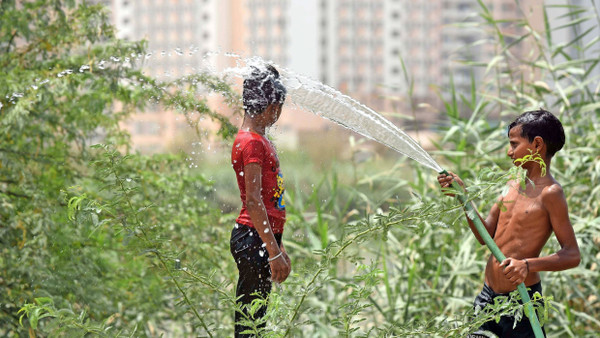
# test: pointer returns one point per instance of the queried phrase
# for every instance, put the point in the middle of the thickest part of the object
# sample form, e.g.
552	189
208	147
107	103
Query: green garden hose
489	242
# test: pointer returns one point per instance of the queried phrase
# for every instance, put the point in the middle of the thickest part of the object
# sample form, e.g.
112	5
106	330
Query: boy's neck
250	124
535	172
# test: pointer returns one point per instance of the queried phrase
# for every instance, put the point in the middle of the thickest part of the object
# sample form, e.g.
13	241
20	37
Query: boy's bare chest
521	213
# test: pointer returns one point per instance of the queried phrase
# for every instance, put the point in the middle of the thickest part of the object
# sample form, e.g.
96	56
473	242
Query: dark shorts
506	327
254	280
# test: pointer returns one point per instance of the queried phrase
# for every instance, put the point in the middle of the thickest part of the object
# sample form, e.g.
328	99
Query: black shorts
506	327
254	280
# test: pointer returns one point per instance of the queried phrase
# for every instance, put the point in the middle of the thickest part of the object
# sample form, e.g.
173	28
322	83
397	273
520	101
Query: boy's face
273	111
519	145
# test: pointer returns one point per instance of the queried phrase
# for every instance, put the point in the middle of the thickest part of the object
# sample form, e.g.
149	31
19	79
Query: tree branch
10	193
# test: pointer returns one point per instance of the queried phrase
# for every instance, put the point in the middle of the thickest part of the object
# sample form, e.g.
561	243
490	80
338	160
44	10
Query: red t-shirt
250	147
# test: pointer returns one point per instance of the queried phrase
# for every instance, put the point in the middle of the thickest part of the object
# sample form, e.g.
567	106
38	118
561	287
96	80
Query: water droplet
241	173
261	253
263	245
266	231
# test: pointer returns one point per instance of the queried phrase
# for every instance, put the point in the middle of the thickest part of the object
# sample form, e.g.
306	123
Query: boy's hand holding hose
445	181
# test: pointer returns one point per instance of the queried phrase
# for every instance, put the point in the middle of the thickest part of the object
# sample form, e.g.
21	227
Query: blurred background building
377	51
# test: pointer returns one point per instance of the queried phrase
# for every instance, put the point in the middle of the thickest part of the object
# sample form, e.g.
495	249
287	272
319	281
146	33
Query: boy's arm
490	222
280	268
568	256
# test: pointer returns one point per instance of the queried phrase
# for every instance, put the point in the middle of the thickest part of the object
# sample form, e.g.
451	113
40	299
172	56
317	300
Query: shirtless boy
527	218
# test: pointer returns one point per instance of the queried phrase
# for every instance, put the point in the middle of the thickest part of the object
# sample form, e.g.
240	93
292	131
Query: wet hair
262	87
543	124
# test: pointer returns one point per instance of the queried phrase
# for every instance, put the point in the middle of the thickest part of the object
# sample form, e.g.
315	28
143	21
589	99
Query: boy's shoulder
244	136
553	192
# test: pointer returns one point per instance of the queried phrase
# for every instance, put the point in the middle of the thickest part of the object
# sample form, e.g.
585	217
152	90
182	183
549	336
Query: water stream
303	92
331	104
349	113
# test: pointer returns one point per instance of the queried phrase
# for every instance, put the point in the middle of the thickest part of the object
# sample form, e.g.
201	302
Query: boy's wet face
519	146
274	111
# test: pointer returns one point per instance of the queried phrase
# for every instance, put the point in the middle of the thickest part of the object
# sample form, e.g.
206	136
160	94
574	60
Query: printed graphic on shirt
279	190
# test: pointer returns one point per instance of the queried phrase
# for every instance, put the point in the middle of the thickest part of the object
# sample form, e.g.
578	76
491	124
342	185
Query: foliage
97	240
68	83
533	157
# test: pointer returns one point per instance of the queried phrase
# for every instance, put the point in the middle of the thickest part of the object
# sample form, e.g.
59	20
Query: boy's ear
538	143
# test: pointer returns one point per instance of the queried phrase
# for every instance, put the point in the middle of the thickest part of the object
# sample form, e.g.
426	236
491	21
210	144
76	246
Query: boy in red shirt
256	238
